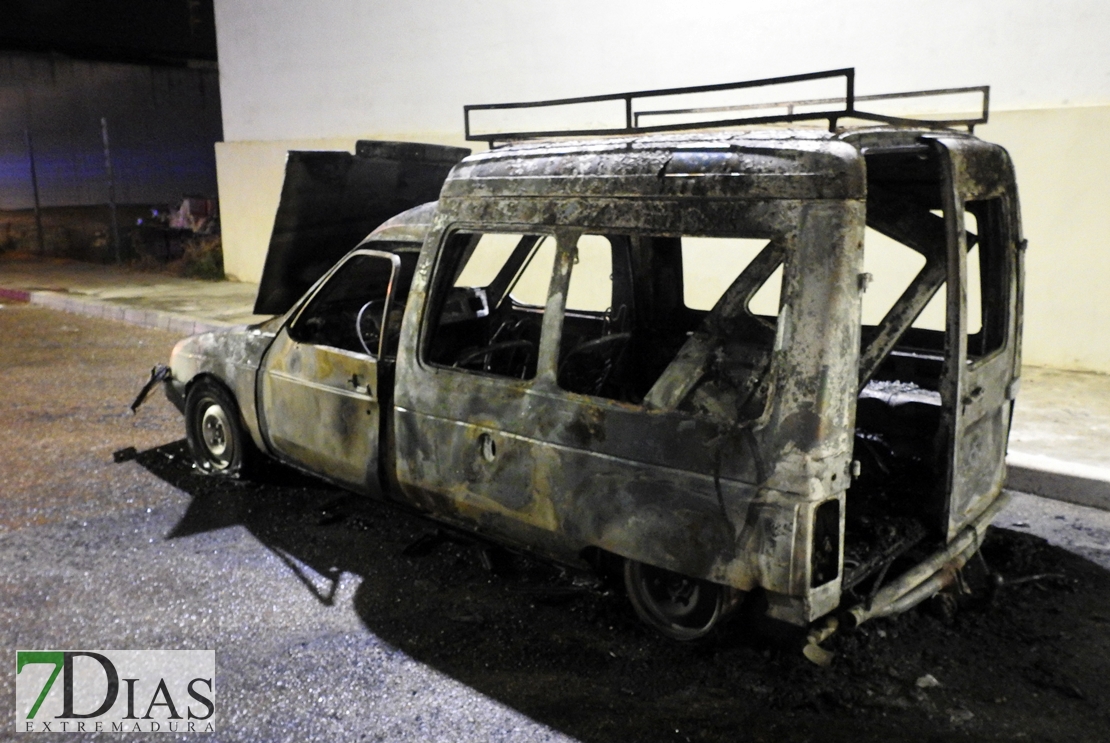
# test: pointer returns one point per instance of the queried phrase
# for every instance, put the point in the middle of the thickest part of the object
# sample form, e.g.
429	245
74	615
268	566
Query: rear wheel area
217	440
676	605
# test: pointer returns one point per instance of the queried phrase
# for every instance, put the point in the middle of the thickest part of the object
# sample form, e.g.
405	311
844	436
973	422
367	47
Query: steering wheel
368	326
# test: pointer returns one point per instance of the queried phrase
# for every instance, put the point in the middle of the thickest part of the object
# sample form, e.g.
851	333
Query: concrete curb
146	318
1048	477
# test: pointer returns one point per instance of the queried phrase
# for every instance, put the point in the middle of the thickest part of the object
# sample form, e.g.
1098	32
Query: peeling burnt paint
714	455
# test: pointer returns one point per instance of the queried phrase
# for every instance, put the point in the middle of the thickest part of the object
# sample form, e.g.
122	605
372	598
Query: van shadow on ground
570	654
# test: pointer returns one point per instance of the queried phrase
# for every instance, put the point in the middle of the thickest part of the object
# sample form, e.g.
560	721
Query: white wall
297	75
291	69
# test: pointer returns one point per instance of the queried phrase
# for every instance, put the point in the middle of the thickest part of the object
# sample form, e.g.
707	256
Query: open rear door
983	321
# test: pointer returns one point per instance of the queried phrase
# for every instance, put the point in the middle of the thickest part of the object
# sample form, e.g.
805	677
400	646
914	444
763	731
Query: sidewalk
151	300
1059	441
1060	437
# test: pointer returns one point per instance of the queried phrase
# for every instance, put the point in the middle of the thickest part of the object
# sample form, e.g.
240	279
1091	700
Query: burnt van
749	360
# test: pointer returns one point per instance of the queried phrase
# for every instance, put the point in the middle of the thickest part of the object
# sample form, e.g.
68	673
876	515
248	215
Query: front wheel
676	605
217	440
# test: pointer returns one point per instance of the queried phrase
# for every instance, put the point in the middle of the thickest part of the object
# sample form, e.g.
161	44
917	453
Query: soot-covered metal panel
331	200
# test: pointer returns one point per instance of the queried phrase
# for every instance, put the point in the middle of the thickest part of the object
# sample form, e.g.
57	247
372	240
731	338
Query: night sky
170	32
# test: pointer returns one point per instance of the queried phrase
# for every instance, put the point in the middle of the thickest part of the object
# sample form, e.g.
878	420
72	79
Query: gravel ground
334	618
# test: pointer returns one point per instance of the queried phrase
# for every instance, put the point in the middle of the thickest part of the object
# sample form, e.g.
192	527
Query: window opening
488	319
903	308
765	302
988	278
974	275
893	266
737	336
711	264
974	292
591	280
934	316
351	303
529	287
488	254
619	339
596	335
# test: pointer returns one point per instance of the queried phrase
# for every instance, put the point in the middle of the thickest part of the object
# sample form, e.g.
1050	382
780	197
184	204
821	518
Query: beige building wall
1062	158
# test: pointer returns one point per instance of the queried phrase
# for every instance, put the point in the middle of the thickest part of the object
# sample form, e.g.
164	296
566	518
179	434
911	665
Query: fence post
35	189
111	188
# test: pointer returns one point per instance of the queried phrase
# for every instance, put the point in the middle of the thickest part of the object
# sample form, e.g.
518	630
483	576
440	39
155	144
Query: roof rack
633	115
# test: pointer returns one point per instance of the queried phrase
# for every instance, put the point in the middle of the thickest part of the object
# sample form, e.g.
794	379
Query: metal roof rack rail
633	116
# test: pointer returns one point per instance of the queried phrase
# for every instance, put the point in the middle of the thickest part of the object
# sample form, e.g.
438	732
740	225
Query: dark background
163	32
146	66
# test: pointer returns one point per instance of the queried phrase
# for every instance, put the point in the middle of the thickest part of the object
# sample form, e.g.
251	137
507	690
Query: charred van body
652	347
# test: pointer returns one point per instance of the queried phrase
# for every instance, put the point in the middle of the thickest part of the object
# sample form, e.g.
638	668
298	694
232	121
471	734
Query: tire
213	428
679	607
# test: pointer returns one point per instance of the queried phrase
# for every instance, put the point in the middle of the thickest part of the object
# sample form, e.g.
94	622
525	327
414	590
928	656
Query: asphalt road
334	619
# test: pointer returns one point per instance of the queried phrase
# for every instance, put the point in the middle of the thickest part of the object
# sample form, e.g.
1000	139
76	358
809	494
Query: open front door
982	327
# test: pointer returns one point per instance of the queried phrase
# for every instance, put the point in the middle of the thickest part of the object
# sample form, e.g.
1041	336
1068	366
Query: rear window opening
710	265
